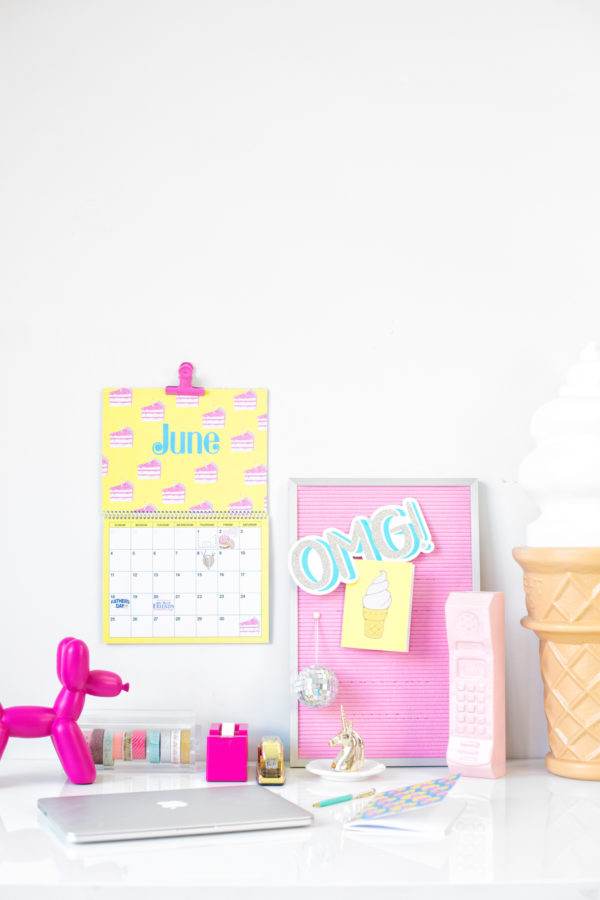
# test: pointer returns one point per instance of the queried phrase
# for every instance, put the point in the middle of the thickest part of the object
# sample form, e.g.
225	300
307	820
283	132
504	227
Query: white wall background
384	212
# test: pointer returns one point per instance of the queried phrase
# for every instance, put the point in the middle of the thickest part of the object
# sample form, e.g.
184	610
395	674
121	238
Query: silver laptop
150	814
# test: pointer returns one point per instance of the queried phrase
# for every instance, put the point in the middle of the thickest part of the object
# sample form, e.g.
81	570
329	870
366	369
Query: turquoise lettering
212	442
190	441
181	442
159	448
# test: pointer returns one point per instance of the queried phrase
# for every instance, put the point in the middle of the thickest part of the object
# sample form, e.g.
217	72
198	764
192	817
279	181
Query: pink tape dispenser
60	721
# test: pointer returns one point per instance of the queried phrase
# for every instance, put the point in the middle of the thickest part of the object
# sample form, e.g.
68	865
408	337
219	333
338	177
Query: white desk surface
530	835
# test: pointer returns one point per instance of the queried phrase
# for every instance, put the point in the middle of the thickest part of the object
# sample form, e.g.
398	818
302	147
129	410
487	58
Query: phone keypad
470	706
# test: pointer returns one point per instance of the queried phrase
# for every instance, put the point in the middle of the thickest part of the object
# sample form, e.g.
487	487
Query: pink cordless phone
475	627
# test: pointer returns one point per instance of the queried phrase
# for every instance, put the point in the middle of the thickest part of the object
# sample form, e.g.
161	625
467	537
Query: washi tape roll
118	745
107	749
87	733
165	746
185	746
175	745
138	744
154	746
96	745
127	746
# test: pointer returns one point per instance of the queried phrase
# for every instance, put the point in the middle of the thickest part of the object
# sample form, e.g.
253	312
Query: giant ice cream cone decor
562	588
561	567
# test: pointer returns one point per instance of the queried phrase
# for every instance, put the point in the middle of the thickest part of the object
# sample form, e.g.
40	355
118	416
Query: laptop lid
147	814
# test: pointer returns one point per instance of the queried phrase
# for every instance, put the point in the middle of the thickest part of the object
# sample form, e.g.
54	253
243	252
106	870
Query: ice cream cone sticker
376	604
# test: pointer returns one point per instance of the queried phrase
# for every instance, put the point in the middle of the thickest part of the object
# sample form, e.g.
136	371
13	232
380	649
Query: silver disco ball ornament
316	686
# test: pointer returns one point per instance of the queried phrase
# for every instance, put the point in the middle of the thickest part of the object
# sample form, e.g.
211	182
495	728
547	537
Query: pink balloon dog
60	721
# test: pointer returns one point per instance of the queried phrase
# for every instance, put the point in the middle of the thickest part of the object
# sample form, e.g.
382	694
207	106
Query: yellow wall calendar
184	497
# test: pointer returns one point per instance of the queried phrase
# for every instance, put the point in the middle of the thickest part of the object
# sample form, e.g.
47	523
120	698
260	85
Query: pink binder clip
185	387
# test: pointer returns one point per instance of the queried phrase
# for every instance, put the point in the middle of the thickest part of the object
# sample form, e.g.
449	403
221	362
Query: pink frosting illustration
149	508
121	397
104	466
186	400
122	438
242	443
150	469
250	626
226	542
153	413
214	419
203	507
239	505
245	401
262	422
122	493
174	494
257	475
206	474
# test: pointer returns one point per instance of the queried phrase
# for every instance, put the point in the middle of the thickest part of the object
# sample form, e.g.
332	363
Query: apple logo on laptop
171	804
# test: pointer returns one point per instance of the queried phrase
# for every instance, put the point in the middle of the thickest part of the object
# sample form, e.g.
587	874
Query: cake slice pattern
244	505
150	469
257	475
250	626
245	401
186	400
122	493
122	438
174	494
203	507
155	412
242	443
168	478
122	397
214	419
206	474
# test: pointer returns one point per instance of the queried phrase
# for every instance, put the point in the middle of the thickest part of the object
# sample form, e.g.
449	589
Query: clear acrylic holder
142	739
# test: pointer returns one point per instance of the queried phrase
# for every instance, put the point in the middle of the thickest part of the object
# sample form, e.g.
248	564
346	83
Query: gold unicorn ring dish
352	753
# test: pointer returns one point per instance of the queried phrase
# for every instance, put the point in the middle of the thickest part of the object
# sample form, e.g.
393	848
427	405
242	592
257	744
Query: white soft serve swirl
378	596
562	474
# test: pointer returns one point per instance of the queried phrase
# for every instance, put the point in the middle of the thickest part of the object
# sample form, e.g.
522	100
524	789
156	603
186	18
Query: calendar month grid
185	581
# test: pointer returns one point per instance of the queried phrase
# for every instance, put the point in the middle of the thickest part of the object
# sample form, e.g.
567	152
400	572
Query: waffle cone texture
562	593
374	622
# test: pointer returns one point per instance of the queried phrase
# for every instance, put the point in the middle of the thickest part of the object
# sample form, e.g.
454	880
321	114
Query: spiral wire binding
178	514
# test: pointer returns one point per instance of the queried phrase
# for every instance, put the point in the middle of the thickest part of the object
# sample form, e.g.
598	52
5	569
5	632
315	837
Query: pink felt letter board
398	702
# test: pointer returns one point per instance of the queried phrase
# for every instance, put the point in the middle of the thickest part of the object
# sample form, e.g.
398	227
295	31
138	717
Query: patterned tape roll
138	744
175	745
154	746
107	749
185	746
96	745
127	746
118	745
165	746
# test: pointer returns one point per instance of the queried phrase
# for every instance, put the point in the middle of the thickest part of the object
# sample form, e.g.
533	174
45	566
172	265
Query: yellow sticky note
377	607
